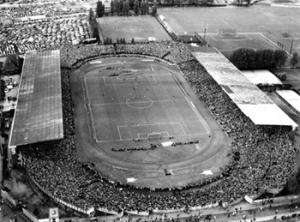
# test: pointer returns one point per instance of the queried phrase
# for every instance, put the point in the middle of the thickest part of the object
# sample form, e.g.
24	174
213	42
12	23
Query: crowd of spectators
36	26
50	9
44	34
72	55
262	157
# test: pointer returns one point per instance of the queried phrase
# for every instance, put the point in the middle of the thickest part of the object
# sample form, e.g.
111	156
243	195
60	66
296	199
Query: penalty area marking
146	135
270	41
183	132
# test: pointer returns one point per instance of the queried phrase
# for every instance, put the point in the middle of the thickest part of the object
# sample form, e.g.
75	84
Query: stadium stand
38	115
263	156
291	97
262	77
248	97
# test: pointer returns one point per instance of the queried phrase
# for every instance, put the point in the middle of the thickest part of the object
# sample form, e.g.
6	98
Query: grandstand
291	98
38	114
262	77
248	97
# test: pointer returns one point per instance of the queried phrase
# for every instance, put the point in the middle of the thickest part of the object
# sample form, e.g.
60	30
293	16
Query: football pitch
139	28
136	105
276	24
227	43
128	103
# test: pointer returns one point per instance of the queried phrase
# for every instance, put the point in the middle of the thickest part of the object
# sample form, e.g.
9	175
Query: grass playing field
273	22
228	43
131	102
141	28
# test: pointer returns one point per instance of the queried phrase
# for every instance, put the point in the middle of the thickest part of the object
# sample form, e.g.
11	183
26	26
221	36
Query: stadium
147	128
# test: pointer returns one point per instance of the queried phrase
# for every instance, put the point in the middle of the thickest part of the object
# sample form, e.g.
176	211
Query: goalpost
153	135
227	33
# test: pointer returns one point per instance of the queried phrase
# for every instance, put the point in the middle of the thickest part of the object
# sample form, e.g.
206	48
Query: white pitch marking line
131	179
199	116
271	41
120	136
193	105
207	172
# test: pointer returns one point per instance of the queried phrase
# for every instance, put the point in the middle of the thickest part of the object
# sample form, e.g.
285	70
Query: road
7	213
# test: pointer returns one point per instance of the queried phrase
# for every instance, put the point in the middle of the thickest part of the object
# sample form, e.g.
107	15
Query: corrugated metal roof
38	115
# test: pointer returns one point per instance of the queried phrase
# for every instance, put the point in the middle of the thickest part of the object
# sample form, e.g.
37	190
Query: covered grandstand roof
263	77
249	98
291	97
38	115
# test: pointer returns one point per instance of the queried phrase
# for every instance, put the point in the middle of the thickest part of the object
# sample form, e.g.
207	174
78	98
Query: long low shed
38	115
262	77
291	97
248	97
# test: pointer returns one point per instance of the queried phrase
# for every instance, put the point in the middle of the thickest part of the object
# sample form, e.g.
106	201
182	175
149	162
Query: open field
227	43
141	28
130	102
273	22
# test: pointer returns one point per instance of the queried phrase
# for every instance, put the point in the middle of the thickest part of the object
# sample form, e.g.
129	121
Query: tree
120	7
126	7
2	90
280	58
144	7
294	60
154	10
1	67
243	58
115	6
100	9
96	34
265	59
246	59
112	7
131	4
93	25
91	15
136	7
13	64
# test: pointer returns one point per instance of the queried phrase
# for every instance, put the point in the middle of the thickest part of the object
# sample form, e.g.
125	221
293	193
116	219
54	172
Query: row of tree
12	65
100	9
126	8
249	59
108	41
180	3
93	25
294	60
120	7
2	90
